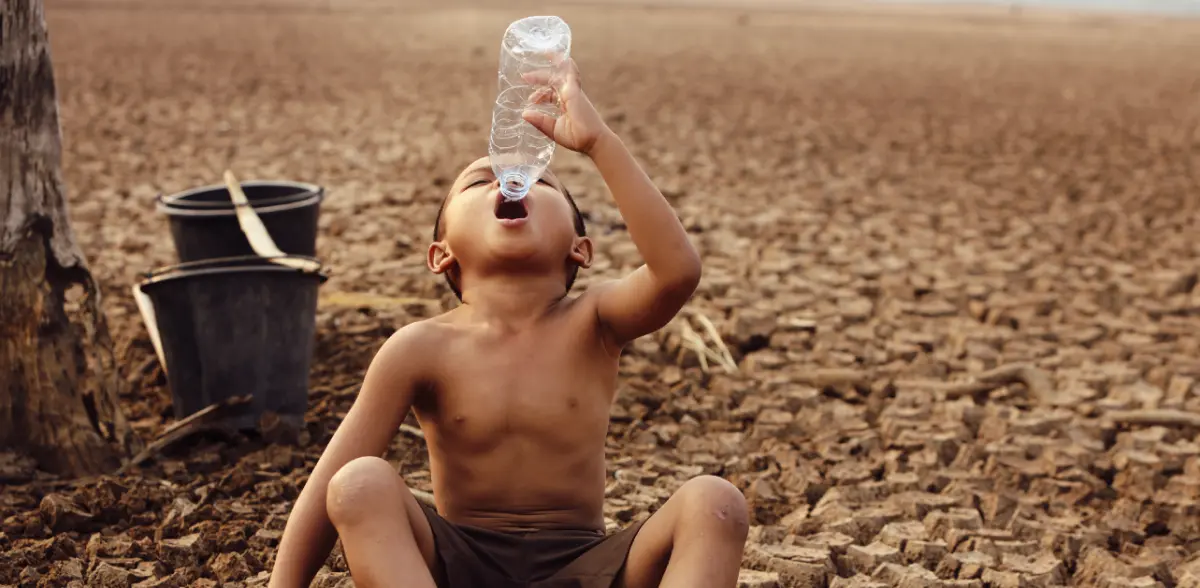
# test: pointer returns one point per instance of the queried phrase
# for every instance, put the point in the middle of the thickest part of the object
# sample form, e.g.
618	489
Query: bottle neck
514	185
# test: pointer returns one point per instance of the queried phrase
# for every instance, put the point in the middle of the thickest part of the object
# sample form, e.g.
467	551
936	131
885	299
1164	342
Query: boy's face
479	226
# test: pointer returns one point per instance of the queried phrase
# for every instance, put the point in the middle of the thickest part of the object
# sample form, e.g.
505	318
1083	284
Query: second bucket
233	327
204	223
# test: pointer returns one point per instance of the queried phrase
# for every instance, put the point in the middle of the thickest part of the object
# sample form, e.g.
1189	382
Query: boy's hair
580	230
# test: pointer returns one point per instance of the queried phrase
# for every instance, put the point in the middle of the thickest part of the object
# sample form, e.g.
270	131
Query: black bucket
204	223
235	327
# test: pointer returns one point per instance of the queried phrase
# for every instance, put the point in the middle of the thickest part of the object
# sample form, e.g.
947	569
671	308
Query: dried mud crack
950	267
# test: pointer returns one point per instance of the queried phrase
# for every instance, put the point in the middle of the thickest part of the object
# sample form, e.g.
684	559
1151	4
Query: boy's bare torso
516	419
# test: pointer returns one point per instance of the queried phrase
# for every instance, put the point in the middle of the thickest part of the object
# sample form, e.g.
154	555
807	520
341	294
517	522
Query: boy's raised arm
383	401
647	299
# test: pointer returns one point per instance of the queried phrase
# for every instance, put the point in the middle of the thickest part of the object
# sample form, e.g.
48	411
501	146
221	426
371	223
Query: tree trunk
58	376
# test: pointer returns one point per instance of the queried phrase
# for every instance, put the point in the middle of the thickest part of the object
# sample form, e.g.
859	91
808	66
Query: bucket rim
305	190
170	210
196	263
221	265
167	204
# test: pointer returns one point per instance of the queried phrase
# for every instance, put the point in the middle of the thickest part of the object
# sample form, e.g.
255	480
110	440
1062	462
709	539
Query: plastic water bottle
518	151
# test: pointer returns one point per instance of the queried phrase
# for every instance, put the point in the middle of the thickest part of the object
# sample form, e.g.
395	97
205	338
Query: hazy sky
1191	7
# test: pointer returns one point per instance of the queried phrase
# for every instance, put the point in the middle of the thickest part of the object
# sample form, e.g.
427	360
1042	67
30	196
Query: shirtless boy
512	389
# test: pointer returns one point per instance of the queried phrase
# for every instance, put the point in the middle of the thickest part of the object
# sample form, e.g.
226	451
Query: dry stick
721	353
142	369
729	363
690	342
1155	417
703	352
423	497
411	430
1035	379
697	345
146	309
256	232
829	377
194	423
372	300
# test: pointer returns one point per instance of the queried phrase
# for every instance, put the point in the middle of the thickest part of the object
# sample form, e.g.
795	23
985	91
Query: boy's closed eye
482	181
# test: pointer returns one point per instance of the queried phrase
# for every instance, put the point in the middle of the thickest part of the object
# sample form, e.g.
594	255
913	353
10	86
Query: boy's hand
579	127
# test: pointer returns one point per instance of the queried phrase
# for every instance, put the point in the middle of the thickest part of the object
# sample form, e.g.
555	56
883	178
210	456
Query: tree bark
59	382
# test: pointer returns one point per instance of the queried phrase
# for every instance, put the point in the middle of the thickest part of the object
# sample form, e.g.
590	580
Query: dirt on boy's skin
1020	177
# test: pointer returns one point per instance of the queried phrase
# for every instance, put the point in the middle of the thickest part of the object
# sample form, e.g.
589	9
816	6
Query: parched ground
951	260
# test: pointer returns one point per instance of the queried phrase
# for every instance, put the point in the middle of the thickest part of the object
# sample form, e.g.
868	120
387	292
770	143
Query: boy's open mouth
510	209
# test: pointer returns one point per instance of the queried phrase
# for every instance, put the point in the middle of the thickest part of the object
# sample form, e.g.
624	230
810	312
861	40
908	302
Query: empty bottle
519	152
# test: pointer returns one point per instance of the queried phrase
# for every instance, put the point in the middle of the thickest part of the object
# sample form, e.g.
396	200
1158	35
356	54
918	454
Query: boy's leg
695	540
385	535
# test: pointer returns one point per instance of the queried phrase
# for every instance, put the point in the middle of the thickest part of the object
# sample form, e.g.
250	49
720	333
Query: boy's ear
581	252
440	258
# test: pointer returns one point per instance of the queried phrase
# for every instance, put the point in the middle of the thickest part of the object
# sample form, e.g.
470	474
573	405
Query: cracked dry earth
951	262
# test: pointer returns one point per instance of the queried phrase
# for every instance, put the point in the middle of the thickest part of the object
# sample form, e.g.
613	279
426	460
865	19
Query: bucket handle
146	307
256	233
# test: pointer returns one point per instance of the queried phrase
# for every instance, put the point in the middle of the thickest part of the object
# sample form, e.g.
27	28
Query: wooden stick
256	232
1036	380
142	369
1155	417
204	412
824	377
146	308
423	497
194	423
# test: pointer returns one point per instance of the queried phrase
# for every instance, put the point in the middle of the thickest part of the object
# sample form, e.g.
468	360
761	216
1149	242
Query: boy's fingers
539	77
540	121
572	72
542	95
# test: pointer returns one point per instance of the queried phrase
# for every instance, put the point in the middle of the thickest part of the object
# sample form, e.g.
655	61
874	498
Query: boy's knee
354	491
716	504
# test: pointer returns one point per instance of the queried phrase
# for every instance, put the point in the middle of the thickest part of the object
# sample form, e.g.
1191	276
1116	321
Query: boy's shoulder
421	332
413	341
426	334
414	351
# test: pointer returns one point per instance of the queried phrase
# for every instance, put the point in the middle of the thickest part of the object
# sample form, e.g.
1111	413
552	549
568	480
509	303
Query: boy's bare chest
547	385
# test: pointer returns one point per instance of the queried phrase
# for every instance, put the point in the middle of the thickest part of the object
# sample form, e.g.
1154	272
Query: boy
512	390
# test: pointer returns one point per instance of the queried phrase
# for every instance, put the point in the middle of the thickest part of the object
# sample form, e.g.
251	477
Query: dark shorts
473	557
